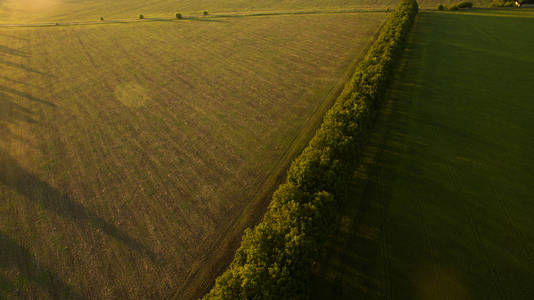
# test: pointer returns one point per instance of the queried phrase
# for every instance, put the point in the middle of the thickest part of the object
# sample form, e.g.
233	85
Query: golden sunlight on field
27	10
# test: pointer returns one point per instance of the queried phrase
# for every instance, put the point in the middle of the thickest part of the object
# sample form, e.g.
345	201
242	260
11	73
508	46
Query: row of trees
275	258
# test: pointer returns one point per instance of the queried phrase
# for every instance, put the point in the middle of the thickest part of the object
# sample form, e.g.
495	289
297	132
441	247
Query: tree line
275	258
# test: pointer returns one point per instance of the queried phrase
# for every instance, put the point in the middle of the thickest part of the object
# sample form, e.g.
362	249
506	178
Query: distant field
443	205
32	11
132	156
24	11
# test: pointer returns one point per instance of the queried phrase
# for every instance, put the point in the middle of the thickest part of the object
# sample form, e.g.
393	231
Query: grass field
133	155
32	11
24	11
442	204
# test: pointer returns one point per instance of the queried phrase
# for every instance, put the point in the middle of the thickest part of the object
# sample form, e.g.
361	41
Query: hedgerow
275	258
465	4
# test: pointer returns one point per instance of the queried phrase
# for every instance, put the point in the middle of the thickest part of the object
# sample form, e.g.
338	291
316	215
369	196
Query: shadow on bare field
12	36
15	81
13	111
33	188
11	51
17	260
23	67
25	95
204	19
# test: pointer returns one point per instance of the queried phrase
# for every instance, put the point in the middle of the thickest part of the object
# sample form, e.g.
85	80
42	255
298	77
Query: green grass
133	155
442	205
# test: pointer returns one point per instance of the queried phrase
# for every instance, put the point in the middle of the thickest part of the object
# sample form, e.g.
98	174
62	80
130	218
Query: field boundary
208	18
253	213
275	258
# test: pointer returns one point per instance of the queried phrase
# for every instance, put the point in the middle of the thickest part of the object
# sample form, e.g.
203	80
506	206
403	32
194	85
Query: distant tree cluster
465	4
502	3
275	258
460	5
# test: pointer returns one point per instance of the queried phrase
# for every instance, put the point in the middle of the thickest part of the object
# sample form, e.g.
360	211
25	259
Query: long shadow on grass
15	258
23	67
33	188
12	36
15	81
350	264
12	91
13	113
197	19
11	51
350	267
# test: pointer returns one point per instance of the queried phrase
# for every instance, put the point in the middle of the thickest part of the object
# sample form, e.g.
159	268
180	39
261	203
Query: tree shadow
16	258
36	190
23	67
12	91
13	37
197	19
13	113
15	81
352	267
11	51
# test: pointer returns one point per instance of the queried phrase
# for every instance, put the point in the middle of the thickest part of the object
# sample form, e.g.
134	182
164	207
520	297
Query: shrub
465	4
205	13
441	7
101	18
141	17
276	257
179	16
454	7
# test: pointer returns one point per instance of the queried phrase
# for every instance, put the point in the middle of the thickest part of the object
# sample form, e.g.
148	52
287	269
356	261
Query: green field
442	205
133	155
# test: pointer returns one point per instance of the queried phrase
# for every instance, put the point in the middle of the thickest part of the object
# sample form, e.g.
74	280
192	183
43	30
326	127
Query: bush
205	13
454	7
465	4
179	16
141	17
441	7
276	257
